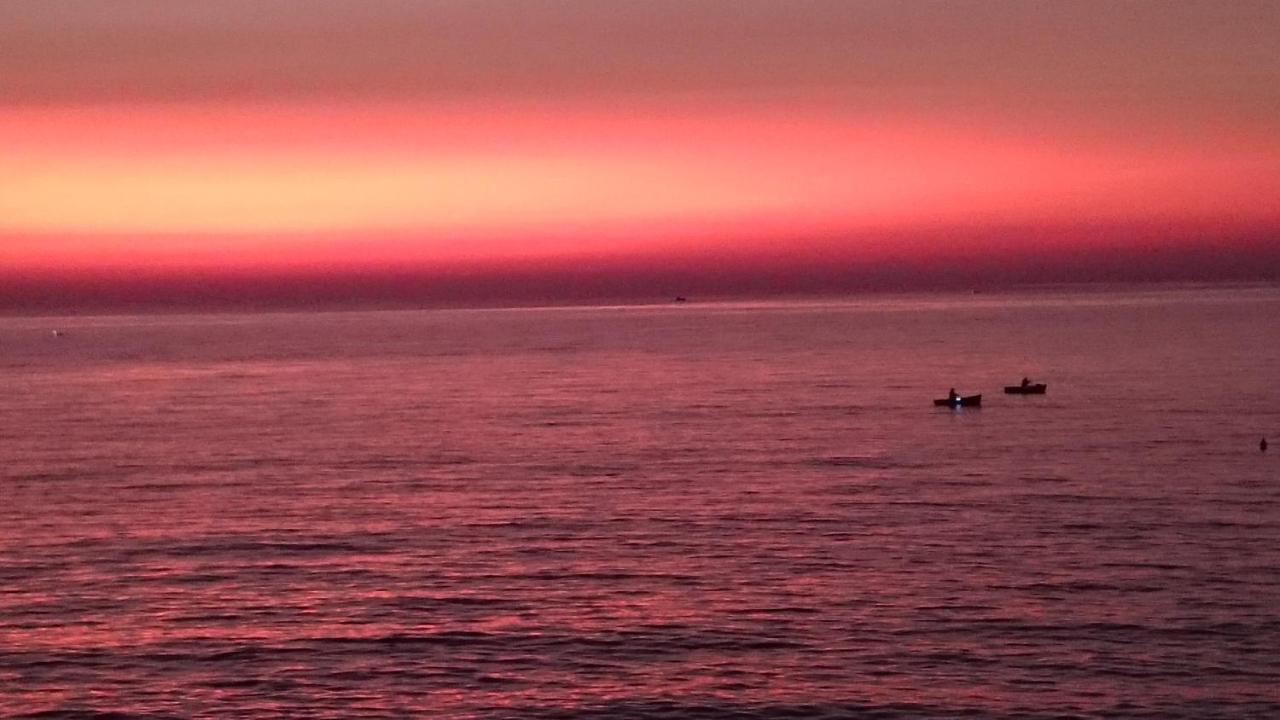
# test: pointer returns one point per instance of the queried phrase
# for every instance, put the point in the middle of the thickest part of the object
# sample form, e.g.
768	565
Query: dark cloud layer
1143	57
1187	257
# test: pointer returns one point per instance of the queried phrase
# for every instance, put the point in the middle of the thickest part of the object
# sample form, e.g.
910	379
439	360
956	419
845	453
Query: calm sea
739	510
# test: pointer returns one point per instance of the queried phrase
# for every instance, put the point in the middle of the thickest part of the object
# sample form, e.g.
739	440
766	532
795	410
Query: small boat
959	401
1028	389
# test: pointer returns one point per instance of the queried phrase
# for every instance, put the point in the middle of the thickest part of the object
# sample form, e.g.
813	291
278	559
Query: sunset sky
235	137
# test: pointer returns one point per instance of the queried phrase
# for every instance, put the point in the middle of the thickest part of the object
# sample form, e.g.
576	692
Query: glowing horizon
165	172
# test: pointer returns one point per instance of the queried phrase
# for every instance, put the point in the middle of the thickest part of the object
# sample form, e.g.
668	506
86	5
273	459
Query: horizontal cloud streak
956	258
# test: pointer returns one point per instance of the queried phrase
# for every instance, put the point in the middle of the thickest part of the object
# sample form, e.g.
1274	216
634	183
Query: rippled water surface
695	511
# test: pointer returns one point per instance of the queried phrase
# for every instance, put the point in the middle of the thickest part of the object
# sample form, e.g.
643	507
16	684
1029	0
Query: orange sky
393	133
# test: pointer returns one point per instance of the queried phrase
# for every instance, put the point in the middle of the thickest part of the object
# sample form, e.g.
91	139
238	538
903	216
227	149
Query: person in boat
952	396
1026	382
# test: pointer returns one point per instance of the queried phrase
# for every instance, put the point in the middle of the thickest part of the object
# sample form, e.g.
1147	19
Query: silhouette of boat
958	401
1029	389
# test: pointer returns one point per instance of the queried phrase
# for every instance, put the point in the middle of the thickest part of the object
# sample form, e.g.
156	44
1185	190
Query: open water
738	510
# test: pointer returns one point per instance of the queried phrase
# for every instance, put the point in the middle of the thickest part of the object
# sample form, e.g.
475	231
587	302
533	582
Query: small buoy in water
1263	445
57	333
